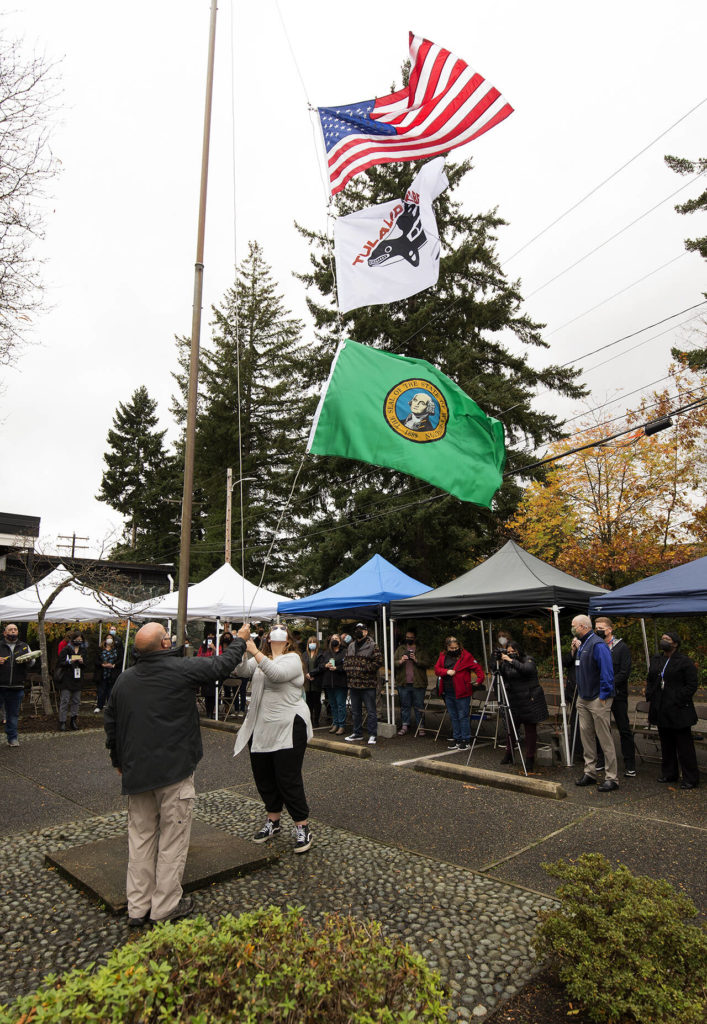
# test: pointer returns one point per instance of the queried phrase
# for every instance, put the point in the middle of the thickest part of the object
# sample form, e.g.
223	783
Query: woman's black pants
278	775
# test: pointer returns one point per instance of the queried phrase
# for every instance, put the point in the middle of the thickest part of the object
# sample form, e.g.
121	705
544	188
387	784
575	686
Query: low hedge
266	966
622	947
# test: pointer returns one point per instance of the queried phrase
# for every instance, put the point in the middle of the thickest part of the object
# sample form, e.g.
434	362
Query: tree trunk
46	681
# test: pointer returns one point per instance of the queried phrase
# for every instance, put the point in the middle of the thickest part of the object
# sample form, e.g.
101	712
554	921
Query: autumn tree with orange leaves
628	508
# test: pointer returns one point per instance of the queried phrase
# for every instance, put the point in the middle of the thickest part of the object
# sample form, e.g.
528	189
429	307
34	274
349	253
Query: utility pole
185	540
73	538
229	493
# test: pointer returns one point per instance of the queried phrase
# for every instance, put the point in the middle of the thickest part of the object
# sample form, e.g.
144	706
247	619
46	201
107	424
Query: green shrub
621	945
265	966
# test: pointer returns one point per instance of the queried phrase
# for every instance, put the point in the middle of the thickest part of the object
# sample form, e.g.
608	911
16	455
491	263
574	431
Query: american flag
445	105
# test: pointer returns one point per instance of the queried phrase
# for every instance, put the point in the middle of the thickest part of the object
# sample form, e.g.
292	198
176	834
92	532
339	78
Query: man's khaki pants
159	826
595	723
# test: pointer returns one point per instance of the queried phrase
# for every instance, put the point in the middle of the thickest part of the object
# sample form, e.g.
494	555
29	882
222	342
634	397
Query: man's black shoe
664	778
688	785
586	780
139	922
607	786
182	909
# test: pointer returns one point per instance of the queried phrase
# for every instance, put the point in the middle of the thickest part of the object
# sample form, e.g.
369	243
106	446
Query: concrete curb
349	749
517	783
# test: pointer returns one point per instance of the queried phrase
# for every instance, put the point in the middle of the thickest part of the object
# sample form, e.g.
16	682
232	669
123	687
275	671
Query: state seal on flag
417	410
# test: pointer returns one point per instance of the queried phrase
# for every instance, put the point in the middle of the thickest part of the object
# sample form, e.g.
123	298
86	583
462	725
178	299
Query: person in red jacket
454	667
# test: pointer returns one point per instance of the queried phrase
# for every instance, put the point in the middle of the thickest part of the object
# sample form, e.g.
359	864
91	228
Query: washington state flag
390	410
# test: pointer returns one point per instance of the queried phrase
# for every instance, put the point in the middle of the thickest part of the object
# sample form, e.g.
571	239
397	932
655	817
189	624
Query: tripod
498	687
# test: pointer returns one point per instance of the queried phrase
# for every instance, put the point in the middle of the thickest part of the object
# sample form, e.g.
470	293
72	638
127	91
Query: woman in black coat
526	698
671	684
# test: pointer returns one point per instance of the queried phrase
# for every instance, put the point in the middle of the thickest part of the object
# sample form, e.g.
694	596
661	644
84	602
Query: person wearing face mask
276	731
670	687
411	664
71	668
361	664
453	669
108	672
526	698
154	740
118	645
314	668
12	679
594	677
334	683
621	660
207	649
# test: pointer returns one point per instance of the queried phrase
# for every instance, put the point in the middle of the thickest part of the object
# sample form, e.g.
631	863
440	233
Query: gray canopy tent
511	582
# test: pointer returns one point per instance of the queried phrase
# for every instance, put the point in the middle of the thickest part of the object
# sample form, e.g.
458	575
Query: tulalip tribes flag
390	410
446	104
390	251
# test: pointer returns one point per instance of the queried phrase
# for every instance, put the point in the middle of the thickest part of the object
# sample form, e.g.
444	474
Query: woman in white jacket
276	730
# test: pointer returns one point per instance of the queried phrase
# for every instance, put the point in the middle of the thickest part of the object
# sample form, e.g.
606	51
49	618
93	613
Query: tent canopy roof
510	582
225	594
679	591
75	603
375	583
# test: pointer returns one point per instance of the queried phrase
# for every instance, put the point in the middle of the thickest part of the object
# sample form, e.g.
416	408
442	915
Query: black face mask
453	650
334	644
601	633
359	634
665	645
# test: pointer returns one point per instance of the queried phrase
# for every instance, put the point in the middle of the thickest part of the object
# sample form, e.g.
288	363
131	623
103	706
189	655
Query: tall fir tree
463	326
696	358
138	478
250	387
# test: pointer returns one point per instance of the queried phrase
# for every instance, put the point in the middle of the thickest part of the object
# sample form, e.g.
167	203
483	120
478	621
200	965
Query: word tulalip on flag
390	251
446	104
405	414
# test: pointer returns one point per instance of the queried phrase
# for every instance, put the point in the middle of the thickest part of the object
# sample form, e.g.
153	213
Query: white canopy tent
223	595
75	603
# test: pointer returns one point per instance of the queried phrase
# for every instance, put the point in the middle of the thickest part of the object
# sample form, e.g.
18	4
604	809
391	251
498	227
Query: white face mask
503	640
312	647
278	635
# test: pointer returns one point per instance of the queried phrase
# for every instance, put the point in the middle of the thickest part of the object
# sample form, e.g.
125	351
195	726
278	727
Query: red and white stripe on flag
445	105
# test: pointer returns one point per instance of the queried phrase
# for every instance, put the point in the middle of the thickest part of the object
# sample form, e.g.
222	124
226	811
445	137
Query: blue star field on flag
352	119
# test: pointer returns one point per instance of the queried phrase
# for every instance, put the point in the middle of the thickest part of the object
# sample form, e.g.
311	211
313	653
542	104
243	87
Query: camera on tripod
498	654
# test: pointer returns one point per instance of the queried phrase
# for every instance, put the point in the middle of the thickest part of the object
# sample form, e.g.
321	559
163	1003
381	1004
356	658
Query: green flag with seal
399	412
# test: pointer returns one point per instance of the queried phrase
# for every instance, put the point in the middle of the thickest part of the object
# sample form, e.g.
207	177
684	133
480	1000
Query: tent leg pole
563	703
391	719
100	634
127	641
645	642
218	637
385	664
483	644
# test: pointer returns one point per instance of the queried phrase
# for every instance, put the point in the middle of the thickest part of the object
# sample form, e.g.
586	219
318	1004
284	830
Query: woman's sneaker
303	838
269	829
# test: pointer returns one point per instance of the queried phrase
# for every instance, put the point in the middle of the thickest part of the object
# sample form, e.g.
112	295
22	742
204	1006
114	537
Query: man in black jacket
152	733
621	660
12	679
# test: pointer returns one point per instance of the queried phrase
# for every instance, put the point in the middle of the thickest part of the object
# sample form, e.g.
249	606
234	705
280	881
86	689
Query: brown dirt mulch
542	1001
49	723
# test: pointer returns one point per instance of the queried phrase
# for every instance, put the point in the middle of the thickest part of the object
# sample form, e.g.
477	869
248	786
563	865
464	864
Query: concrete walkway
452	867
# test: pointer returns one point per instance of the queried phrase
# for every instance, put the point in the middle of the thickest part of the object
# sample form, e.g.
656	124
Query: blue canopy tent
680	591
366	594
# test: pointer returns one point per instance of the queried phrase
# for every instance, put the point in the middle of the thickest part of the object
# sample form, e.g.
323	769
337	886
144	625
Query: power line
604	182
612	237
616	294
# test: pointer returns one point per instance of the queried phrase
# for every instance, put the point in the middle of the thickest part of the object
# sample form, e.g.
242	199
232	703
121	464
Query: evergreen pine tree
139	475
249	385
695	358
463	326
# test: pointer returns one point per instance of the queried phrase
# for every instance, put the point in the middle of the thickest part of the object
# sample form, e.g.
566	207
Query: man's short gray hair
583	620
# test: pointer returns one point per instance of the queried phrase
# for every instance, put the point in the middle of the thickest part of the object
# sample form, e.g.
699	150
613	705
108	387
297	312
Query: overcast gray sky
591	86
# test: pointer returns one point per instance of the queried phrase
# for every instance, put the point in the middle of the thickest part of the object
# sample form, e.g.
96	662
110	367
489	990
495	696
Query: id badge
77	673
577	662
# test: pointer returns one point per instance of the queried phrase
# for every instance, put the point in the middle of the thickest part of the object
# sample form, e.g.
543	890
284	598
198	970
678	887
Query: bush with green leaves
622	947
265	966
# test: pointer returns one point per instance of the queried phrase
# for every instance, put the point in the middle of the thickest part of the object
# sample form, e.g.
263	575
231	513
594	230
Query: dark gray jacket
151	720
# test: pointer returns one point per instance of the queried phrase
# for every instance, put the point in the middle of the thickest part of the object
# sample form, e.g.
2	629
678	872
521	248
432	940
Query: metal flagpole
185	540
